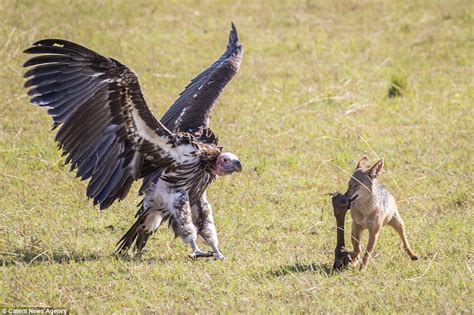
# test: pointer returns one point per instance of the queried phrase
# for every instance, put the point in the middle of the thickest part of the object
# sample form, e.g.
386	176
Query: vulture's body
110	136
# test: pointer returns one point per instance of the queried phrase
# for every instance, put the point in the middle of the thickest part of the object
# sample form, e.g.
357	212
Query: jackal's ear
363	163
376	169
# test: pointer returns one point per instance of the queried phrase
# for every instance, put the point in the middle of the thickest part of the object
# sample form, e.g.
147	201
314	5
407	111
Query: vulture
110	137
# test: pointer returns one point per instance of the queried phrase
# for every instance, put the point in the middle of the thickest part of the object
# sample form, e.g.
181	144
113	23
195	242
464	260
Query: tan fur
373	208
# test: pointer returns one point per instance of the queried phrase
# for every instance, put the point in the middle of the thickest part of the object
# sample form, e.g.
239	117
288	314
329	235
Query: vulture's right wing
192	109
106	129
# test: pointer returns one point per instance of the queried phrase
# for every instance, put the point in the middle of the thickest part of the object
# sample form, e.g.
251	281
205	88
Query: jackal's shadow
298	267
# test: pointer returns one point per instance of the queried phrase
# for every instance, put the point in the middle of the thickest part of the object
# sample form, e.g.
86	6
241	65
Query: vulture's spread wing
192	109
106	129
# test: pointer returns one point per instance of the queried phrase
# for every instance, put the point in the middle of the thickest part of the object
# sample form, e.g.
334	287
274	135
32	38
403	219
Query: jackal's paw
198	253
355	261
363	267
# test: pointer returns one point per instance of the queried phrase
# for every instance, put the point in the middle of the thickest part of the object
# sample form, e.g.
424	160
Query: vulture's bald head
226	164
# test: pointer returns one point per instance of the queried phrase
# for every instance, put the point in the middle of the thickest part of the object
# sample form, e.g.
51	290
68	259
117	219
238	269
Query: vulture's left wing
192	109
107	130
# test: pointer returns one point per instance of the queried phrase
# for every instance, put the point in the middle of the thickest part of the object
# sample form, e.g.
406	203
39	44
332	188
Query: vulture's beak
237	166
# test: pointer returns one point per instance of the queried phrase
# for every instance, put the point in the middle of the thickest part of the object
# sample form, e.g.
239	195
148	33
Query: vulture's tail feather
136	234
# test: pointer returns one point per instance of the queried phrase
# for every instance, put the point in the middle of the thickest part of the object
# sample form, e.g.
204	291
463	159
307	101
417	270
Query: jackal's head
362	180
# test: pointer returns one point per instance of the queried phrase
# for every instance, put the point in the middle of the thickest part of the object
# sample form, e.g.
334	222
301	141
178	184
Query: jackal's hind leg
399	226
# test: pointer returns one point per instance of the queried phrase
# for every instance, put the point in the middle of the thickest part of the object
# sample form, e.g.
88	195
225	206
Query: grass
311	98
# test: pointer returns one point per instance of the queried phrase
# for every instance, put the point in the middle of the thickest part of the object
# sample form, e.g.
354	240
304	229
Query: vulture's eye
225	160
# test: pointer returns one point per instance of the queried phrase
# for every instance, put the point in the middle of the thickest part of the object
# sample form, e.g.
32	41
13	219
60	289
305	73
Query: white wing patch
180	153
180	117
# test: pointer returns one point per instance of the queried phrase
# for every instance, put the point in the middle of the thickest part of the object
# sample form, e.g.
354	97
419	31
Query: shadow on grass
301	268
139	257
33	257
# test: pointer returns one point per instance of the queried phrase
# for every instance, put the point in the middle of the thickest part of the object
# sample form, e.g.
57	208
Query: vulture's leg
205	223
183	224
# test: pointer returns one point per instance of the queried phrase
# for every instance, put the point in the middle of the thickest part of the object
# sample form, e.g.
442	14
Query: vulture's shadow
301	268
33	257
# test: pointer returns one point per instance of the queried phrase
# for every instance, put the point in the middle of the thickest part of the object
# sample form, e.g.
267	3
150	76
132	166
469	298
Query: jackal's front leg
373	237
355	239
206	227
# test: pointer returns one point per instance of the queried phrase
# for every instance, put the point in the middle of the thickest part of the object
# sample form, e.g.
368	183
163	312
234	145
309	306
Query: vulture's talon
218	256
198	253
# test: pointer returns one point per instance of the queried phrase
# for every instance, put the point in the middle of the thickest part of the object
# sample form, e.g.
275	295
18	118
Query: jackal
372	207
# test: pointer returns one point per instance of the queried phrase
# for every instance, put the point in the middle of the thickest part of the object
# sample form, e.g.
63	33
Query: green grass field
310	99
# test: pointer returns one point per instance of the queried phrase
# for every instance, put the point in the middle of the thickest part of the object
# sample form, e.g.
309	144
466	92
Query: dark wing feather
191	111
106	129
